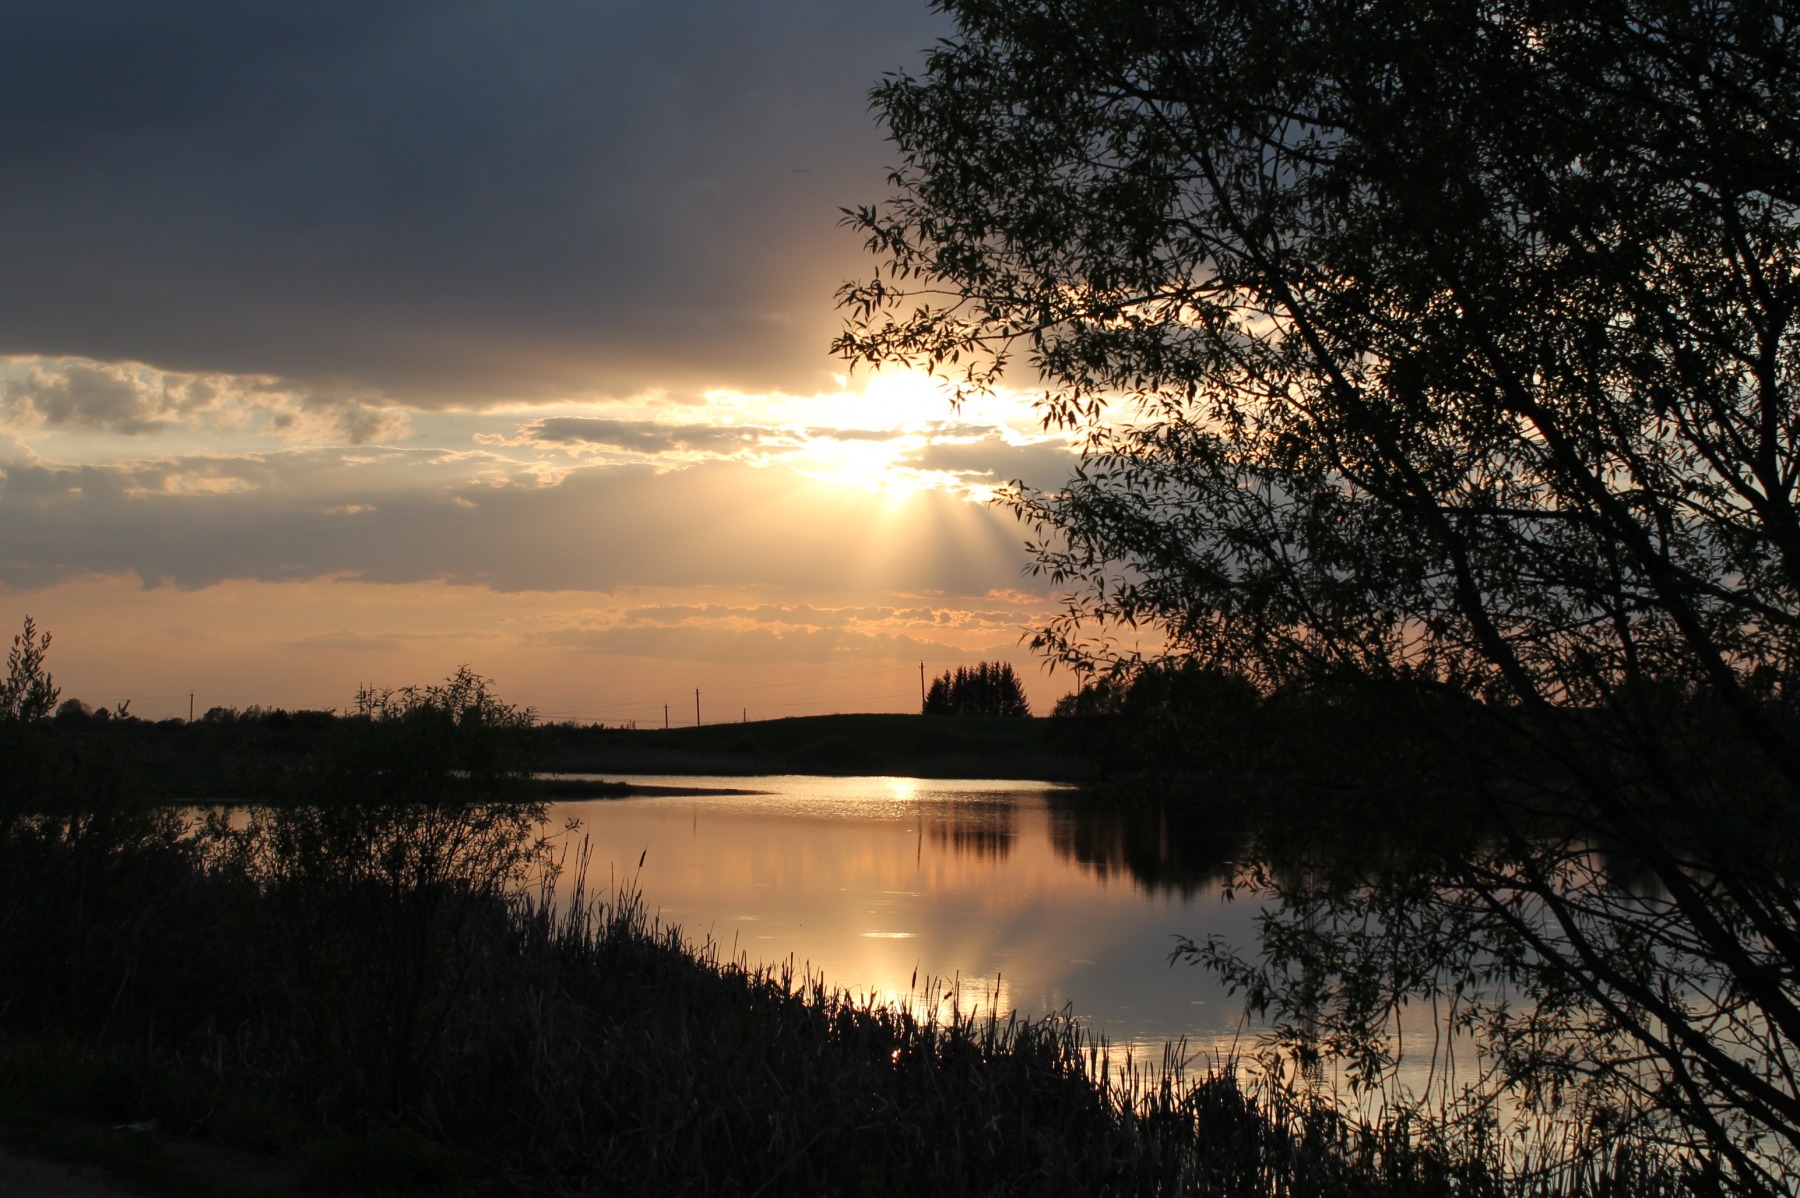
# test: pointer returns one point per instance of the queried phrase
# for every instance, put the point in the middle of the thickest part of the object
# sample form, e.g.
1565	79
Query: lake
1030	899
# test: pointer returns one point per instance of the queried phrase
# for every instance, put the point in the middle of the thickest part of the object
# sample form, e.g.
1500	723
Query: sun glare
906	399
877	466
892	433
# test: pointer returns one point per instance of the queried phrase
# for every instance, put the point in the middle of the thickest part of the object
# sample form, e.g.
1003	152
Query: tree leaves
1453	347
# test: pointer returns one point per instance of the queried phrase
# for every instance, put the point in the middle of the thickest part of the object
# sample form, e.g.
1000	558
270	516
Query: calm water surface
1033	900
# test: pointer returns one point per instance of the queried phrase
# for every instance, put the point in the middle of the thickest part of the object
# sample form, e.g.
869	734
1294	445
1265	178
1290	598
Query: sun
876	431
908	399
877	466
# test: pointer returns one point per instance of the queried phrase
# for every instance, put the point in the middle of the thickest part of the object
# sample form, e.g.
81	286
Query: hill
912	745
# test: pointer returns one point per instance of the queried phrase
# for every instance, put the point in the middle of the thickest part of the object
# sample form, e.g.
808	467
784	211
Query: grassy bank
910	745
256	755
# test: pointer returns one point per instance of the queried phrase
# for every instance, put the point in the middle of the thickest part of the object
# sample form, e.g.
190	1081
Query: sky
342	344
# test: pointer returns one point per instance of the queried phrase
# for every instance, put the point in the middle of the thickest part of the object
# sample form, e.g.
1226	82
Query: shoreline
557	787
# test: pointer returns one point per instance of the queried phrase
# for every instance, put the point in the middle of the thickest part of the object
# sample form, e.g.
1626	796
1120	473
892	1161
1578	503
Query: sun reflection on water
911	890
971	897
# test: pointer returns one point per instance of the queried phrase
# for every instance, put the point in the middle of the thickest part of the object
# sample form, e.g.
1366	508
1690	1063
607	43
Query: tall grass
412	1018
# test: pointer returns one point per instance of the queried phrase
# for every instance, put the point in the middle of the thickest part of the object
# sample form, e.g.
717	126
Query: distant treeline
1170	721
1176	722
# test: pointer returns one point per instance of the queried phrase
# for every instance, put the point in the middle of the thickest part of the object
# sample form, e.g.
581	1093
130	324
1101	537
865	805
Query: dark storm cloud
453	199
400	517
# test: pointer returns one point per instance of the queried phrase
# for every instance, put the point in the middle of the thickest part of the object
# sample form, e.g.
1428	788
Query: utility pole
746	718
665	717
190	707
696	707
921	686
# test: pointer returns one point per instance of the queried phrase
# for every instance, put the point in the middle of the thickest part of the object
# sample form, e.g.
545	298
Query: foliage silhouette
989	688
28	692
1443	350
1174	717
29	762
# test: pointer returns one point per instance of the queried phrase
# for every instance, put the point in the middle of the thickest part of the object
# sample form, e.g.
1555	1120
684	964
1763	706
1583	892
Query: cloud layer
455	200
402	517
134	401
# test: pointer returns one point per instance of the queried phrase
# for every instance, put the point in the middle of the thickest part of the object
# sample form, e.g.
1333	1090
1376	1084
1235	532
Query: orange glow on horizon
608	658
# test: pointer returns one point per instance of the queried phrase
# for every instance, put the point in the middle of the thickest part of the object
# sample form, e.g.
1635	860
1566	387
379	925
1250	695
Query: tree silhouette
28	692
990	688
1443	348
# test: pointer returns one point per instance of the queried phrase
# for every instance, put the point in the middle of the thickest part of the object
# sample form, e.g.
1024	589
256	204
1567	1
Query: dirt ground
30	1177
152	1164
